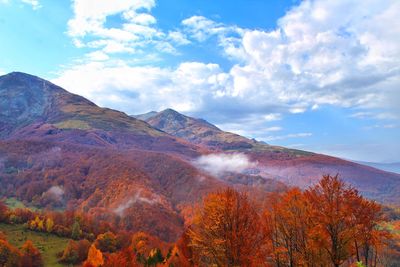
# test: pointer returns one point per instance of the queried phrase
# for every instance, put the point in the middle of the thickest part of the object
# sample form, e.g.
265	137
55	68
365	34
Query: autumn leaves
227	231
327	225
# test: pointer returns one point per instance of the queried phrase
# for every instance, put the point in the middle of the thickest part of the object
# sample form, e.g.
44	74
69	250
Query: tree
3	212
343	220
9	255
125	258
76	230
368	238
328	224
227	231
155	257
75	252
107	242
49	225
70	254
289	229
31	256
95	257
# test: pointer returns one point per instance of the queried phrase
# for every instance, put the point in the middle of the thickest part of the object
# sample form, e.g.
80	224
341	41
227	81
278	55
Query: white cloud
184	88
322	53
273	117
178	38
136	34
337	53
382	126
288	136
218	164
90	15
34	3
273	129
97	56
139	18
201	28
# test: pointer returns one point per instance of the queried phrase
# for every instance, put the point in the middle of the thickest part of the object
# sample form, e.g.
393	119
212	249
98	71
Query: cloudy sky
317	75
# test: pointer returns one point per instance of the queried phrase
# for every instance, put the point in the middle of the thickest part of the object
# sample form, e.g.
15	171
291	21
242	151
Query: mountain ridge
292	167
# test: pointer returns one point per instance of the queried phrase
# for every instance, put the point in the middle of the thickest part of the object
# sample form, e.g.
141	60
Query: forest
329	224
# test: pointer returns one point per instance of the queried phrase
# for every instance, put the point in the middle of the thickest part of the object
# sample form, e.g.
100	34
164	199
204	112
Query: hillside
61	151
35	109
48	244
290	166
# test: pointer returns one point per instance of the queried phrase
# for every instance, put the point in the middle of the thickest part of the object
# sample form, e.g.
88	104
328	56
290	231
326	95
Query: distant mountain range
389	167
144	171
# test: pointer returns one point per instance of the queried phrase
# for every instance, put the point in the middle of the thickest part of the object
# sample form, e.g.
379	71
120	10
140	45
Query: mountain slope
59	150
292	167
26	99
33	108
196	131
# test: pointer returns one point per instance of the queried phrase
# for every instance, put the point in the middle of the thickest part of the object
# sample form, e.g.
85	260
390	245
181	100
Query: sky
320	75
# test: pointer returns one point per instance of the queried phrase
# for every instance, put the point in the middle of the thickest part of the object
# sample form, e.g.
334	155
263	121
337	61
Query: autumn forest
328	224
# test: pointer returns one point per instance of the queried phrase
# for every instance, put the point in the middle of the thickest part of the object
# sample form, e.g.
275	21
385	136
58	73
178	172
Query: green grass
73	124
48	244
14	203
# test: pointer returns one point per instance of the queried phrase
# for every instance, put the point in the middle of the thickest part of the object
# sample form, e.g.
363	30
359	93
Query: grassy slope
14	203
48	244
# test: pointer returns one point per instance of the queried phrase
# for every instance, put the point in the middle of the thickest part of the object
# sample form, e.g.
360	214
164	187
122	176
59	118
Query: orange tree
227	231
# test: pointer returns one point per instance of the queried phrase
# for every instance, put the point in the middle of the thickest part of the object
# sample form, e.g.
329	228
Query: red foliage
31	256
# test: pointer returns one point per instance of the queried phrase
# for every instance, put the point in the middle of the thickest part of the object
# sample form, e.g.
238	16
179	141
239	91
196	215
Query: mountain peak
197	131
22	76
20	73
170	111
26	99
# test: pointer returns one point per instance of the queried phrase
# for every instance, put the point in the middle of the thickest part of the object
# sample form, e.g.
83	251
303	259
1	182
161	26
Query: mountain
290	166
61	151
33	108
196	131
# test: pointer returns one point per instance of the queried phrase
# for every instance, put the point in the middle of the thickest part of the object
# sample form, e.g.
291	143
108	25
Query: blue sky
316	75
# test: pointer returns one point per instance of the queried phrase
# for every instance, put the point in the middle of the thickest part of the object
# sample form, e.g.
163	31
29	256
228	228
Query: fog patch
217	164
56	191
137	198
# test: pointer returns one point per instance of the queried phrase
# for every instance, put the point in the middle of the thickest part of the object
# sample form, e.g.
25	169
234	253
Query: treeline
330	224
27	256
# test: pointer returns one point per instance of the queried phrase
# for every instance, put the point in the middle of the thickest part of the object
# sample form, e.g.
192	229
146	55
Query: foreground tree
227	231
31	256
289	229
327	225
9	255
334	213
95	258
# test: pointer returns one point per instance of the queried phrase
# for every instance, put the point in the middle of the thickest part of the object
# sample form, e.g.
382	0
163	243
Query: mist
217	164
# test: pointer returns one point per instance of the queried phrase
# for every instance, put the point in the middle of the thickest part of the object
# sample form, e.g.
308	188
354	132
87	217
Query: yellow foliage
95	257
49	225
